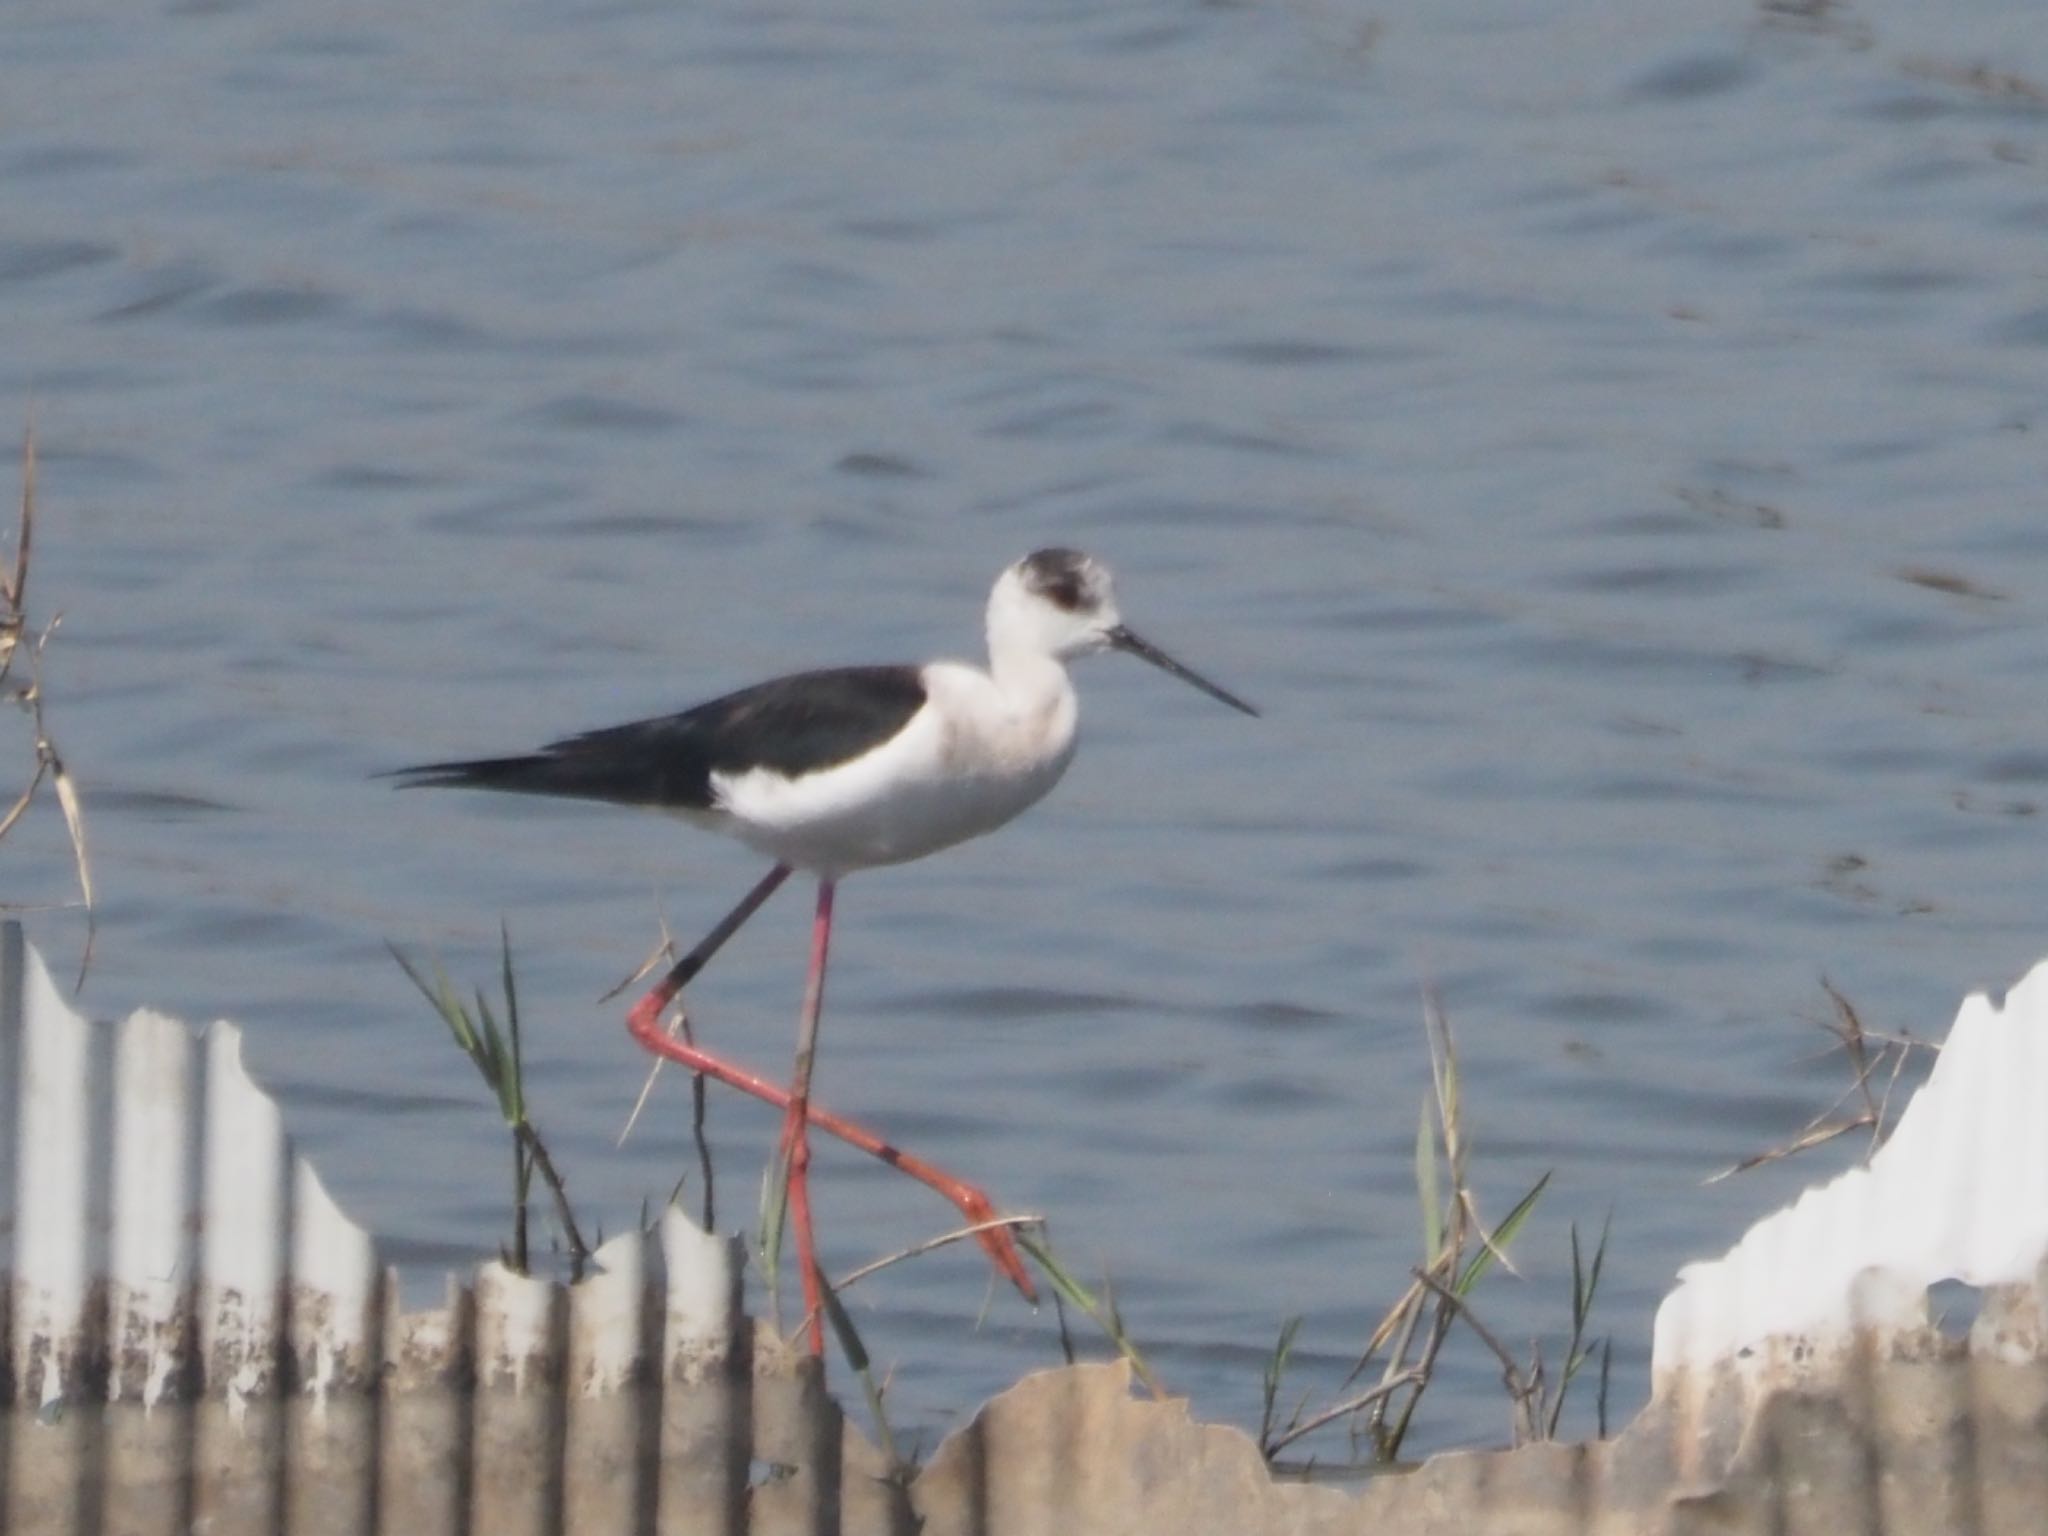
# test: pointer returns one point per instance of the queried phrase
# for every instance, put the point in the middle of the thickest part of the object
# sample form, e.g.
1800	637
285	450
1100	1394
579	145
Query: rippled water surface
1605	444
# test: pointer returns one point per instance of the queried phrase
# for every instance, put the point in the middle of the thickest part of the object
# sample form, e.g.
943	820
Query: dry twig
1865	1064
16	640
679	1023
875	1266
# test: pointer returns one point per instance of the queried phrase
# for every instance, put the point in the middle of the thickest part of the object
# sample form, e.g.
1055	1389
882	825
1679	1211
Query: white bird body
981	750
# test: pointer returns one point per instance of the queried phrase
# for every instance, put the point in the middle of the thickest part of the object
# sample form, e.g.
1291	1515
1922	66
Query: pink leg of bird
796	1123
645	1023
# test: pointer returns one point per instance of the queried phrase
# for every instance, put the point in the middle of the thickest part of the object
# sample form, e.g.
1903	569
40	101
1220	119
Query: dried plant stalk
1869	1055
28	696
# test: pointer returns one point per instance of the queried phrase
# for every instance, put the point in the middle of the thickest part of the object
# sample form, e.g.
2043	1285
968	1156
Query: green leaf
842	1326
1500	1238
857	1356
1079	1295
1585	1286
441	997
1274	1373
495	1062
518	1110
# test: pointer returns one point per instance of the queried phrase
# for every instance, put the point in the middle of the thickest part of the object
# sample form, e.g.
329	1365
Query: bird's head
1062	603
1056	602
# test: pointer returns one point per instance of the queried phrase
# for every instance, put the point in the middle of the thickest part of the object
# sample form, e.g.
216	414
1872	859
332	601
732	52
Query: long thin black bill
1123	640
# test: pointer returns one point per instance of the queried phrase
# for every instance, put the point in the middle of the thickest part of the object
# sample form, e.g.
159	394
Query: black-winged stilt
845	769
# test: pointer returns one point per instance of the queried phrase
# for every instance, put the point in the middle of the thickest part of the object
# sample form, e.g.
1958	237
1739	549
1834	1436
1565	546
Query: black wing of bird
791	725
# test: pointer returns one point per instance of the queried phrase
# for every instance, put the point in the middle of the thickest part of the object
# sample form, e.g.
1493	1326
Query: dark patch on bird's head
1066	578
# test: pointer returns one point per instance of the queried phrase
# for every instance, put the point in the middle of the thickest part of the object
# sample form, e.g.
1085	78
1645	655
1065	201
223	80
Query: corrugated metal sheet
198	1340
1826	1302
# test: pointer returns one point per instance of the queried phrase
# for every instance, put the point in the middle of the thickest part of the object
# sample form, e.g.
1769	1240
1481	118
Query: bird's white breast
970	760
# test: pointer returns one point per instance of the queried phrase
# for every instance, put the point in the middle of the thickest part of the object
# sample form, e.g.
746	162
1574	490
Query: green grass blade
1500	1238
1272	1377
518	1061
1582	1300
842	1327
856	1354
440	996
1080	1296
1578	1283
495	1064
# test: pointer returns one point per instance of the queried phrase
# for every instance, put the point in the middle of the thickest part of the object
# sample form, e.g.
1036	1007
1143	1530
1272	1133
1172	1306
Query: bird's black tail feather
536	774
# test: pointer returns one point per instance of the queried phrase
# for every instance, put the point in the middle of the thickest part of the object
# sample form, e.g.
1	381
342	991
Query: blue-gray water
1604	441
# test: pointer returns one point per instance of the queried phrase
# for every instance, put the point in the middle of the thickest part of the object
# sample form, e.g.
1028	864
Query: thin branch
876	1266
49	763
1891	1086
699	1100
1451	1299
1854	1040
679	1023
1521	1390
663	950
14	592
1388	1441
21	804
74	824
579	1251
1805	1141
1411	1377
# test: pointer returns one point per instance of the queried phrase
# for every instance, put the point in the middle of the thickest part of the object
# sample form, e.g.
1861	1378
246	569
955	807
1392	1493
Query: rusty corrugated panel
197	1339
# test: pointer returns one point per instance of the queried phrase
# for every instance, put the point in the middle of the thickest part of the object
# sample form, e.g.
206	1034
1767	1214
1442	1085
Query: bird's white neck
1026	676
